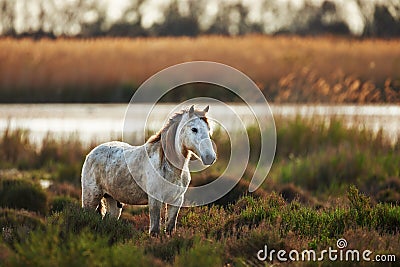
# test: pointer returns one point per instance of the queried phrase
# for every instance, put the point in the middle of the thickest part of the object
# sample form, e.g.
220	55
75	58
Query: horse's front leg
172	214
154	210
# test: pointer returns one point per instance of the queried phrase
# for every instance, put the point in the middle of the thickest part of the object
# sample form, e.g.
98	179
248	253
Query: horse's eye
194	130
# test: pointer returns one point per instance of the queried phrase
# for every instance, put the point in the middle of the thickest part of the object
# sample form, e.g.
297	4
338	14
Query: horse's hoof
154	234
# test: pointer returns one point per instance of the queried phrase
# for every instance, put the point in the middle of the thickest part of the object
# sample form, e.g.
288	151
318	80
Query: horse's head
195	135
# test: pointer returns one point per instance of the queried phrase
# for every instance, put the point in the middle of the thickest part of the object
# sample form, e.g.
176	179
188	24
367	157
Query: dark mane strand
157	137
205	120
154	138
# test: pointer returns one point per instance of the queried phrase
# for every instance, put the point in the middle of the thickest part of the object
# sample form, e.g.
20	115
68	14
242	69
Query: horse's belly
127	191
135	196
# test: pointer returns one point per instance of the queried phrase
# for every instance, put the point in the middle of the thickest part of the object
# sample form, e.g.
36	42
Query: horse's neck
173	162
176	162
173	165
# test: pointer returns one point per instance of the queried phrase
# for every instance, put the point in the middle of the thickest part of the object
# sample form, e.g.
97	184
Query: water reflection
101	122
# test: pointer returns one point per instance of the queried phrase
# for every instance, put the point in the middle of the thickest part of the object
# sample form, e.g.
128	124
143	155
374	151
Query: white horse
116	172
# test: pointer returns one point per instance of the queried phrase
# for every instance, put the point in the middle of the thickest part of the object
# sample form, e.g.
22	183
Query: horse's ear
206	109
191	111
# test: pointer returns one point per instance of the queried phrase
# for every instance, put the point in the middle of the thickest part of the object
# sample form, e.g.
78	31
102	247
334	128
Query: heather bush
22	194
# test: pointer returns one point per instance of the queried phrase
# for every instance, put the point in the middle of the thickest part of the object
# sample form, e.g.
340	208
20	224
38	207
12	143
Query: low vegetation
327	182
206	236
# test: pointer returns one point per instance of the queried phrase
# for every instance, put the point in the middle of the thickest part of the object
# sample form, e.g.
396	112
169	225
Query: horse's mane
172	125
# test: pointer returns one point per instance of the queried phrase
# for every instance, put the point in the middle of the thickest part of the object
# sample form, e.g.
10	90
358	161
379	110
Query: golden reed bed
287	69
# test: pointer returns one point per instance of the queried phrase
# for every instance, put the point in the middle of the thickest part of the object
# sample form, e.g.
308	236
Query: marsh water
102	122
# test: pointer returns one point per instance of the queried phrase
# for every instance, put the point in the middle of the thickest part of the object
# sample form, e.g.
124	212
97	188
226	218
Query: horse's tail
91	190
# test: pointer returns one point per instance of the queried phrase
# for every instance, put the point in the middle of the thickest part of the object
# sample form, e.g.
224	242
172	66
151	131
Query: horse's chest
185	177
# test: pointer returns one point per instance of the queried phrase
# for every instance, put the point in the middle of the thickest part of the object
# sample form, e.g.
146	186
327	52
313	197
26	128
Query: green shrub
69	173
22	194
208	220
245	247
16	224
73	219
360	207
387	217
389	191
167	248
50	248
201	254
59	203
261	210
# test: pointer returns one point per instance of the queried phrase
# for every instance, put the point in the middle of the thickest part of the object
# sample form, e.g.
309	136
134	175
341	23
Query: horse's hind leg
91	198
113	207
91	191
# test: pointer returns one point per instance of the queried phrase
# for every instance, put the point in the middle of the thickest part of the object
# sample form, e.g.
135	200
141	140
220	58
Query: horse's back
103	157
101	154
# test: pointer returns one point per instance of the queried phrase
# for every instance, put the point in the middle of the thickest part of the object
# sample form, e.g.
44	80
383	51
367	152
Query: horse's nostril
209	159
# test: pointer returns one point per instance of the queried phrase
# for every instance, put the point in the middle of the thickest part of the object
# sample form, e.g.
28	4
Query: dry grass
287	69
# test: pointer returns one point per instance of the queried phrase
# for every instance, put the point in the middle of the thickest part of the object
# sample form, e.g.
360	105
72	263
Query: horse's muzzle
208	159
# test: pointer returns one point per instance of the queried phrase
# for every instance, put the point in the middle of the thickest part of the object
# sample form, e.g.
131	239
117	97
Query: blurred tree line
91	18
